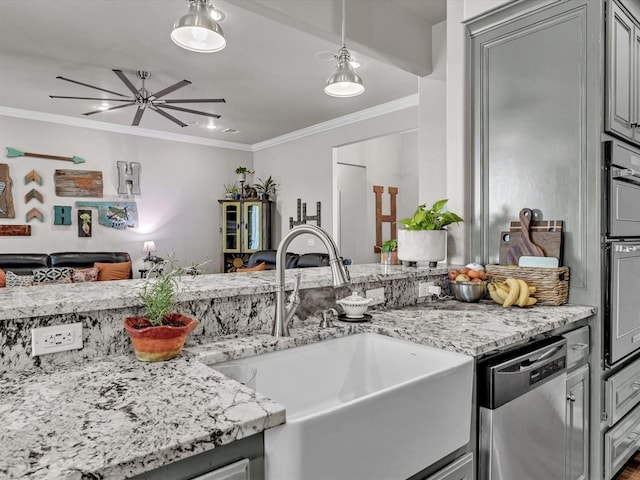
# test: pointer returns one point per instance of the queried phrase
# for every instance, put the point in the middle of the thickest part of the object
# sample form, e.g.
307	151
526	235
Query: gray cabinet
577	429
622	74
577	405
460	469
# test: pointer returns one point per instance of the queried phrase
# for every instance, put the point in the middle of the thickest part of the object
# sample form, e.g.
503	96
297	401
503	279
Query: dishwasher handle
544	358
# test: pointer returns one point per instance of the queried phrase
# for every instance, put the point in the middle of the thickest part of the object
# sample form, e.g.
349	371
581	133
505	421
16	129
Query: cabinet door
461	469
253	227
231	222
577	429
620	72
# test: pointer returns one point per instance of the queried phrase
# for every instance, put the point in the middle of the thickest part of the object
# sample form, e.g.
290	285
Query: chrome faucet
284	313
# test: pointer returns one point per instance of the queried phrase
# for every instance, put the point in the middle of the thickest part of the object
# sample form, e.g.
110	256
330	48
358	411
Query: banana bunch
512	291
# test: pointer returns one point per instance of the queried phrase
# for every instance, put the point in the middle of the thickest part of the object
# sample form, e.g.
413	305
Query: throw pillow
257	268
113	271
82	275
14	280
52	275
3	278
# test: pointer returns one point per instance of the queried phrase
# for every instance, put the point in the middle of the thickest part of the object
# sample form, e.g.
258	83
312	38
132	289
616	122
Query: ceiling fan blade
196	100
90	86
167	116
110	108
172	88
93	98
138	116
127	82
188	110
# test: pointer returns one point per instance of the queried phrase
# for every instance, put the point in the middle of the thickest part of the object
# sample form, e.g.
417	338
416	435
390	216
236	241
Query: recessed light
102	106
230	130
211	126
355	63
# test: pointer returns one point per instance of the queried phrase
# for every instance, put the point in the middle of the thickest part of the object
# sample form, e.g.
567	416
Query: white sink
364	406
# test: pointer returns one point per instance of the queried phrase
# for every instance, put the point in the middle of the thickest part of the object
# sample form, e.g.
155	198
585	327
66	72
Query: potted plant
424	238
230	190
160	334
242	173
266	188
389	252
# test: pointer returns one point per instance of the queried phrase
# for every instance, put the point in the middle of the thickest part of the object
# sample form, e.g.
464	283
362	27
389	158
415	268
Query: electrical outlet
424	289
58	338
377	294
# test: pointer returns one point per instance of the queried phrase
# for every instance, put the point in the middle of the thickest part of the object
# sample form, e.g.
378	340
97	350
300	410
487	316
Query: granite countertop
116	417
23	302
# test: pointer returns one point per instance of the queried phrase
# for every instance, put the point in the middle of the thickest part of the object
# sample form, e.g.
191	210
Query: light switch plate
57	338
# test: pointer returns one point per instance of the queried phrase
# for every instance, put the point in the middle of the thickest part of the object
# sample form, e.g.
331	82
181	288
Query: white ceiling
270	73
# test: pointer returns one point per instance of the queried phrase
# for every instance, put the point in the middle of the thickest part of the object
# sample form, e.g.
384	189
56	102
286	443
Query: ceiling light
211	126
344	82
103	106
198	30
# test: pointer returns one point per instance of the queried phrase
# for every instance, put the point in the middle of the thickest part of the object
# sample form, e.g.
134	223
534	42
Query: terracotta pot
154	344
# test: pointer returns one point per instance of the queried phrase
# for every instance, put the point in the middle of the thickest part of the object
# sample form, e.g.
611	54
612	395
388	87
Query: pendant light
344	82
198	30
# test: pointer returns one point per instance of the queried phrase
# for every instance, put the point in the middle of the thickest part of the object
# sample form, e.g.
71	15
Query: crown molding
114	128
382	109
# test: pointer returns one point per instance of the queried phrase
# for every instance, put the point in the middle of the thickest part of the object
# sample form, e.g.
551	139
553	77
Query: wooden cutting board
545	234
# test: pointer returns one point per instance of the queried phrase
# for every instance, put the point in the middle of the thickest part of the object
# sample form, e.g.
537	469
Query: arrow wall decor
12	152
35	213
33	193
33	176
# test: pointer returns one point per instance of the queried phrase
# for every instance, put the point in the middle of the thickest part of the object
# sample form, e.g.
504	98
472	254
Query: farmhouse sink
363	406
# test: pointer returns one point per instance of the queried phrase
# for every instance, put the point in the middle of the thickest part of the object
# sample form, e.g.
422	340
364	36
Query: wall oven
621	250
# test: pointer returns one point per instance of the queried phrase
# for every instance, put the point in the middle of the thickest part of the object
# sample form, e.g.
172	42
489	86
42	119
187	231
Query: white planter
422	245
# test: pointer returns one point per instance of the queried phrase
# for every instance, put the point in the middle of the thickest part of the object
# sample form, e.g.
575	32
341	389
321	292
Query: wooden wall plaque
78	183
15	230
6	198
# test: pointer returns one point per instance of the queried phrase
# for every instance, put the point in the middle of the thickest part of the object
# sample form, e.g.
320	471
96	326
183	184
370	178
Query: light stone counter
24	302
116	417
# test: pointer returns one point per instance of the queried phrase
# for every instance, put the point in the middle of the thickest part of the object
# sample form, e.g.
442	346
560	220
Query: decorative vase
162	342
389	258
422	246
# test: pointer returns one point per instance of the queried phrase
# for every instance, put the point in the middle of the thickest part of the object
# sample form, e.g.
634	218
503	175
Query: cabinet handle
633	125
579	346
571	397
635	386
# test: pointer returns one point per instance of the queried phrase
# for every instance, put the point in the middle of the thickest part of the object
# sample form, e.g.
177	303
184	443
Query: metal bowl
468	291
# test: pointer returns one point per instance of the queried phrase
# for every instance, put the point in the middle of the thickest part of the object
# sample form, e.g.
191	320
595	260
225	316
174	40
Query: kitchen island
115	417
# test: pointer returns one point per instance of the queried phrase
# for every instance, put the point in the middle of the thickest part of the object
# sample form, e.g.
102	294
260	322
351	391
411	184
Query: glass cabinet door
231	227
253	226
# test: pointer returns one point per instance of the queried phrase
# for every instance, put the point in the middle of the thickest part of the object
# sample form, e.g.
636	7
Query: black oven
621	250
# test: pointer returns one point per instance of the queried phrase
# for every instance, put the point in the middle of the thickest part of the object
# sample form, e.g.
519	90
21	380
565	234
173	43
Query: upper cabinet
622	74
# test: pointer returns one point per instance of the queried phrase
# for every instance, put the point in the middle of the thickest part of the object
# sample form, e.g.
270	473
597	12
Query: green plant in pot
266	188
389	252
230	190
424	238
242	173
159	334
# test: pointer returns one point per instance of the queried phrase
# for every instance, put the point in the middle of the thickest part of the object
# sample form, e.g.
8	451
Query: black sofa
24	263
293	260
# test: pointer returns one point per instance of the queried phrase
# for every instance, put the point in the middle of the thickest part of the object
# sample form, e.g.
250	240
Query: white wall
389	161
180	186
304	168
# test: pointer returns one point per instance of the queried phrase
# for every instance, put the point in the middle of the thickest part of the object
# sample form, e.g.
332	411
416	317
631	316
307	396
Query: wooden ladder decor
35	213
33	193
303	217
380	218
15	230
33	176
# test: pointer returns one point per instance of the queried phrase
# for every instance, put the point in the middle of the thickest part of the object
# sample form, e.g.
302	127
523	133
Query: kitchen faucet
284	313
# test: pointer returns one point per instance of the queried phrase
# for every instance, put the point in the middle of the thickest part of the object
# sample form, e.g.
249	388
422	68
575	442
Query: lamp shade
149	246
344	82
197	30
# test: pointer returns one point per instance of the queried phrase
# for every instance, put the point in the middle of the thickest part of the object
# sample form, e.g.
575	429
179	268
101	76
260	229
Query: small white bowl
354	305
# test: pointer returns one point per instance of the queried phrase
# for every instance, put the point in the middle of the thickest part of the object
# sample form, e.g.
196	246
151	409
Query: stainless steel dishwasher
521	415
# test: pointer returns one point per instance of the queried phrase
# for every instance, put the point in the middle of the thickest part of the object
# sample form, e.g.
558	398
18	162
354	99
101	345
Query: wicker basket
552	284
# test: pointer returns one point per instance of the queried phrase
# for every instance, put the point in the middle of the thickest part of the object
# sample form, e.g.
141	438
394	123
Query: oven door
623	190
622	334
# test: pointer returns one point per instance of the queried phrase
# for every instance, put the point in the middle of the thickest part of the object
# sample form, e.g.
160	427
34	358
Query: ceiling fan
144	99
